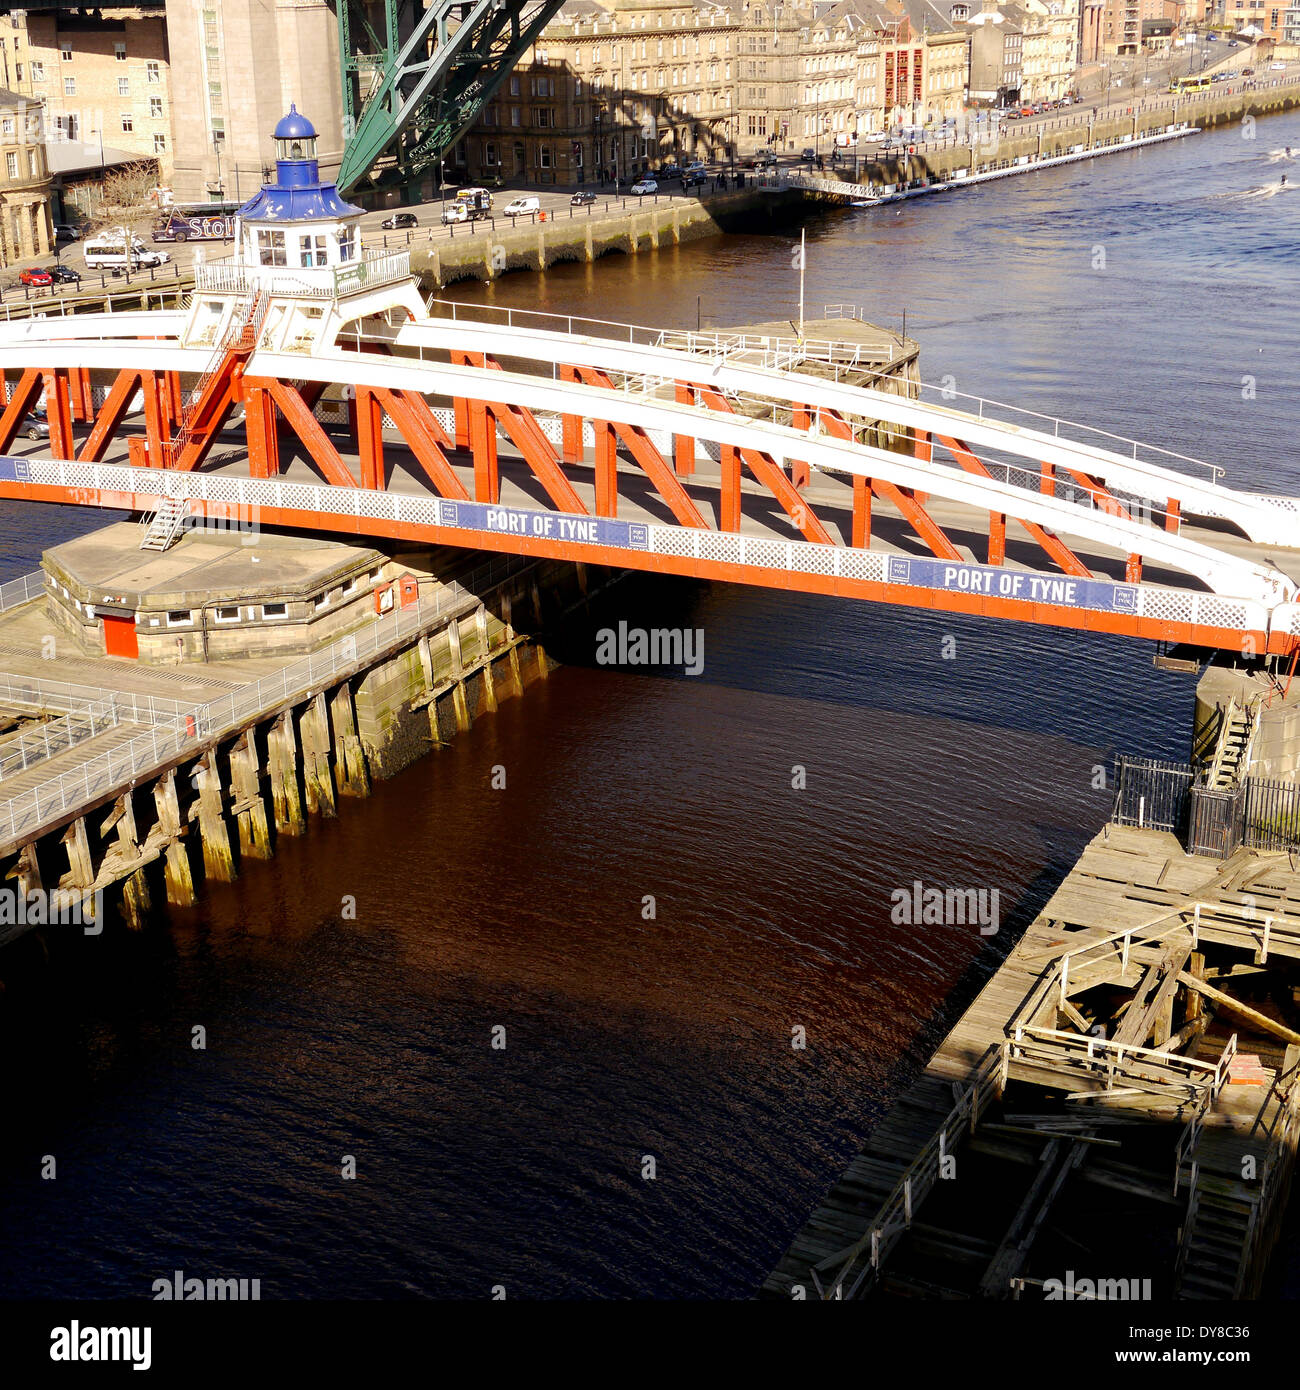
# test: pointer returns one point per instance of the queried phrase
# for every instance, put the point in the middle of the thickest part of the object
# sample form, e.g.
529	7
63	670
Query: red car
36	276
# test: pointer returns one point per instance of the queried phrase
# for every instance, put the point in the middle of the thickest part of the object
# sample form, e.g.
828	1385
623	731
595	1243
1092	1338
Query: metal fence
1255	812
1152	794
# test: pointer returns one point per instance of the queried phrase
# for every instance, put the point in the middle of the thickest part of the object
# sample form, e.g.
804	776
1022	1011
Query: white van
110	253
517	207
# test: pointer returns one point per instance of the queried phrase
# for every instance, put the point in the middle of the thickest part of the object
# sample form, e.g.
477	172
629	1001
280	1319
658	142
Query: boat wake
1276	156
1266	190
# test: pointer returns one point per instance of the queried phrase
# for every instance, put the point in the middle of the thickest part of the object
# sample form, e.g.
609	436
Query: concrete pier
201	765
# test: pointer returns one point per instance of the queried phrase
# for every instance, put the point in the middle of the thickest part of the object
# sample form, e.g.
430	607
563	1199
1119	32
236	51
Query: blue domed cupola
295	150
298	220
299	270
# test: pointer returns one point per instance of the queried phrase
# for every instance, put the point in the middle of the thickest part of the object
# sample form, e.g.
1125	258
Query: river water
829	753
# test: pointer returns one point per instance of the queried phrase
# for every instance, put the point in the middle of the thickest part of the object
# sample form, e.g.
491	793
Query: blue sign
992	581
14	470
538	525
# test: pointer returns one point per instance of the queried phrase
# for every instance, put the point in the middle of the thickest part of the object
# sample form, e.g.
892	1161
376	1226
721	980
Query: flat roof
203	565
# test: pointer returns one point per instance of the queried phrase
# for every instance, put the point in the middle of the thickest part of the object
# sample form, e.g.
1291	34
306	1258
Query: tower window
270	248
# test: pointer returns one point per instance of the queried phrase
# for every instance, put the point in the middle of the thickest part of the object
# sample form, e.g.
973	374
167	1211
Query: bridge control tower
299	275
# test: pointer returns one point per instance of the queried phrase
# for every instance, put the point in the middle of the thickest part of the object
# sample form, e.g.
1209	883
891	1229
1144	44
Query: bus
1190	84
197	222
118	250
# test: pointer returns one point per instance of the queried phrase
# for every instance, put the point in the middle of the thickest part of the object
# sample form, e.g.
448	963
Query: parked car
643	186
64	232
1248	72
670	171
693	177
809	155
454	212
1026	110
36	276
1277	67
36	426
65	275
400	220
519	207
583	198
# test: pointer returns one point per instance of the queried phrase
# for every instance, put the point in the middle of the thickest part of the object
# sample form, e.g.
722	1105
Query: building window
119	52
490	154
181	617
313	250
38	72
544	157
128	123
124	86
33	164
348	244
7	125
159	144
153	72
227	615
270	248
69	86
275	610
65	52
12	162
155	108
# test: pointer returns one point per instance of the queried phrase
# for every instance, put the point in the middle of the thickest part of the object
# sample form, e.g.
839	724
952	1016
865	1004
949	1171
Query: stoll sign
553	526
992	581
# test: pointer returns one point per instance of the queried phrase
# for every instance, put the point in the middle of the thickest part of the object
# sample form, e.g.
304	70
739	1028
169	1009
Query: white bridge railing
138	488
309	282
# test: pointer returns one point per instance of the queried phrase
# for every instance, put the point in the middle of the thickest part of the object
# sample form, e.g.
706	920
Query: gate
1152	794
1215	821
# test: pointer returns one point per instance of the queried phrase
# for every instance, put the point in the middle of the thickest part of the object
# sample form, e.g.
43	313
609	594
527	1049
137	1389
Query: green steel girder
436	79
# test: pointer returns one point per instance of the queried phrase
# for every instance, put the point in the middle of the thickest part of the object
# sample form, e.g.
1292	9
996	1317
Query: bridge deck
830	495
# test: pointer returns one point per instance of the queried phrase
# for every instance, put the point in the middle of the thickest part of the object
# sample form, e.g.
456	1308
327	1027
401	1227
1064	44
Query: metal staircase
1231	757
240	337
162	528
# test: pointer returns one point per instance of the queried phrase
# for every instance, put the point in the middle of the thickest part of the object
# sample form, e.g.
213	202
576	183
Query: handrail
1191	1135
917	1182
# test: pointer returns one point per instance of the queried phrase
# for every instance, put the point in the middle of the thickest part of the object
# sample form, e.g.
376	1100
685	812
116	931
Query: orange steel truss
279	416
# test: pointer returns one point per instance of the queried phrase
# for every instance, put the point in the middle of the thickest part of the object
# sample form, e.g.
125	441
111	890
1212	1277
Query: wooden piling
349	756
208	809
177	876
282	761
317	775
248	806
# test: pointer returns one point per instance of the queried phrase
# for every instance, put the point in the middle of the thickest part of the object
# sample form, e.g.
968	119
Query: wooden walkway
1020	1199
